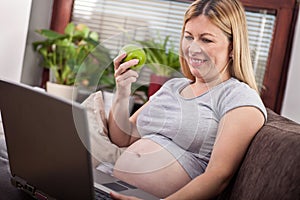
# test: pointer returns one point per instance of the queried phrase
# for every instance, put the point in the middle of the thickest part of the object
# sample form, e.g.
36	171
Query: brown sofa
270	170
271	167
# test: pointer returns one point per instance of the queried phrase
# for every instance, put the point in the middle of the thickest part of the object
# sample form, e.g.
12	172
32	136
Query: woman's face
206	49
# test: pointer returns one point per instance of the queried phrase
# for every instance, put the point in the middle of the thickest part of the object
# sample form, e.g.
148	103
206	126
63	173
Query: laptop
47	141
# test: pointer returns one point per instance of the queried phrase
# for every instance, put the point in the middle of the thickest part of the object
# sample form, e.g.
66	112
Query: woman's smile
197	62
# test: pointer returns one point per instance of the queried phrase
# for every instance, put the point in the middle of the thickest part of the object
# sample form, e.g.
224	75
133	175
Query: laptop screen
41	131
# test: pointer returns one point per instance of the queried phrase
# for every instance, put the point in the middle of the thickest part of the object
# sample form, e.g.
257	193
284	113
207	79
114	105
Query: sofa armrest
271	166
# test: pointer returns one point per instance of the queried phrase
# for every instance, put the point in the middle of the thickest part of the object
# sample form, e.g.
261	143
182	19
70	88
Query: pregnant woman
188	140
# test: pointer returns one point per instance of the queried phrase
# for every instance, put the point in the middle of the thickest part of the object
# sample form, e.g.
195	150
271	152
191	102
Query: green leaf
82	31
166	42
94	36
65	73
44	52
64	43
49	34
38	44
69	30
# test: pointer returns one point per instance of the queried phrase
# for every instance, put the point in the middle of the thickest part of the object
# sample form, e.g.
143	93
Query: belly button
138	154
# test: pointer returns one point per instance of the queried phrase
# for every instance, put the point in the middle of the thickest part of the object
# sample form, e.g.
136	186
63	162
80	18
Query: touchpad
115	186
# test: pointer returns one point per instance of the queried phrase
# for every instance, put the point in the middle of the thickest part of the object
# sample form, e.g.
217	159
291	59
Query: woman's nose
195	48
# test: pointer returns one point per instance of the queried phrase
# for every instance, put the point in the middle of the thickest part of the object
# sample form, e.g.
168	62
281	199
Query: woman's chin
207	75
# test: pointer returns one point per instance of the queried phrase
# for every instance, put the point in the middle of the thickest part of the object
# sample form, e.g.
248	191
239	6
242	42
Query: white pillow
103	150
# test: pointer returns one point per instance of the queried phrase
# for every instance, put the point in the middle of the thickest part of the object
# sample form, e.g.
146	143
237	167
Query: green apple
134	52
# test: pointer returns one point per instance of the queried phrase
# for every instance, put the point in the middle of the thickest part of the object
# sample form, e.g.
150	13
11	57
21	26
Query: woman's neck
200	86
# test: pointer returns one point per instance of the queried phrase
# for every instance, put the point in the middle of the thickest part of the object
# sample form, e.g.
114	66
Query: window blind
260	29
119	22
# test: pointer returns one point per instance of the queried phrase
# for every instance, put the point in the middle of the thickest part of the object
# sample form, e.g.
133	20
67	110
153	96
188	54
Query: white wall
40	18
19	19
14	20
291	101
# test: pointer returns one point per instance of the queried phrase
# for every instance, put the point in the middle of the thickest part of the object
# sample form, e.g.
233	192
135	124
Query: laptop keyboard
101	195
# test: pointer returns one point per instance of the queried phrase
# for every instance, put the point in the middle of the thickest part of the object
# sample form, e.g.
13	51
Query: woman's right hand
124	75
120	127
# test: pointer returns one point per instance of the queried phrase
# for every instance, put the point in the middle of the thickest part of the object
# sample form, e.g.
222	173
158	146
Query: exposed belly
147	165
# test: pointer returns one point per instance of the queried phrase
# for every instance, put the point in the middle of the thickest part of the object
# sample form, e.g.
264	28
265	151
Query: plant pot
155	83
65	91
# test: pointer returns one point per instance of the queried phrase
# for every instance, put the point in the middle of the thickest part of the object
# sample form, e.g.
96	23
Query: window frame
280	49
278	61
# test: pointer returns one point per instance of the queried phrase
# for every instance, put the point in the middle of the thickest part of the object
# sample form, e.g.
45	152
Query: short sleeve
239	95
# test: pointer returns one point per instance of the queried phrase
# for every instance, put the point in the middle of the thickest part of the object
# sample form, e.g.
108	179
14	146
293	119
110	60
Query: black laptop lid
41	131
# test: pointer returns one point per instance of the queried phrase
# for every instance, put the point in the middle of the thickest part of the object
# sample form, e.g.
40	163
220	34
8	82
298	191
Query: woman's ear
230	50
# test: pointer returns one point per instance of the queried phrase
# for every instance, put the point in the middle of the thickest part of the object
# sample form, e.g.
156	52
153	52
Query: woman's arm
236	130
125	136
122	128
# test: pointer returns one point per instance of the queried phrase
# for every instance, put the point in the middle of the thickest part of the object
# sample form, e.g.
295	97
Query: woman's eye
206	40
188	37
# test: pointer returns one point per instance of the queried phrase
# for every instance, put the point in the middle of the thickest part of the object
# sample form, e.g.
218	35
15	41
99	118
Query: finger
126	82
126	79
125	66
119	59
118	196
127	74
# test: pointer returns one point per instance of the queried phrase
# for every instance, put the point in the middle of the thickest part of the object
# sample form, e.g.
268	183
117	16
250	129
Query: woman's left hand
118	196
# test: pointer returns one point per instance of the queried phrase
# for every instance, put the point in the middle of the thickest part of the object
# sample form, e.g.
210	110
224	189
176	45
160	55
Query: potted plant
64	53
162	60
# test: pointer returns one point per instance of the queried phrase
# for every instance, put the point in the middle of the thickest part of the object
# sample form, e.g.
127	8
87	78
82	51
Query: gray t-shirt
187	127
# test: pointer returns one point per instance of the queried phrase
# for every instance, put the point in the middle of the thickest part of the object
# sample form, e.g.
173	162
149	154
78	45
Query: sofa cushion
102	150
271	167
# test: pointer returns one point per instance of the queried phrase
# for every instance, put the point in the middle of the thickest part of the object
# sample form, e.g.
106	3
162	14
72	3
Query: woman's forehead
201	25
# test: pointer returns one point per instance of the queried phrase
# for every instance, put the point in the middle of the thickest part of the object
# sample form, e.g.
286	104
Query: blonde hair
230	17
